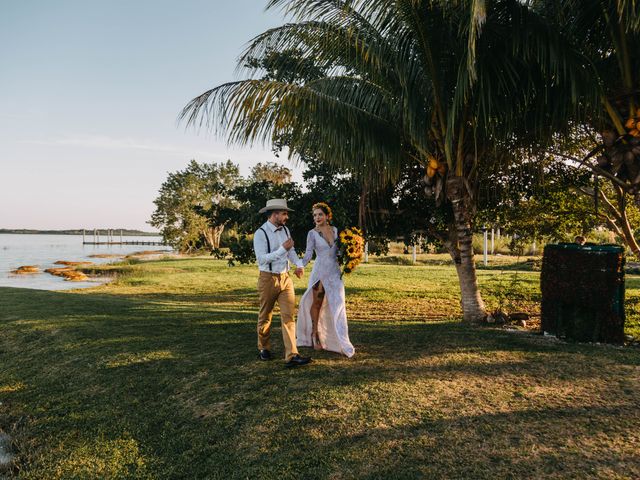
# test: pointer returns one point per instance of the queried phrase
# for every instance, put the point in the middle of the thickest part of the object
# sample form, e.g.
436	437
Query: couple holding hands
322	316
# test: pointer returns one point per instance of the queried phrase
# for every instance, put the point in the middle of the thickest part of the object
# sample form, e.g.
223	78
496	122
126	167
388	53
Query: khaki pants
278	287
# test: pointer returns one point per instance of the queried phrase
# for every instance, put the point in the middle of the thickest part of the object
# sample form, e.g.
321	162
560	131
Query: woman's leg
318	297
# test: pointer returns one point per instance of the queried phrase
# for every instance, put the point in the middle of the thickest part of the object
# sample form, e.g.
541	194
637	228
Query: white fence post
484	244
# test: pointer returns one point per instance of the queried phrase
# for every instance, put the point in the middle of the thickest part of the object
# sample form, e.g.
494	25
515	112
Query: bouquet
350	249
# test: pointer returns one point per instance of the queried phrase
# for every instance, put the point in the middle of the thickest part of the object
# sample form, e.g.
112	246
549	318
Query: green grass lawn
156	376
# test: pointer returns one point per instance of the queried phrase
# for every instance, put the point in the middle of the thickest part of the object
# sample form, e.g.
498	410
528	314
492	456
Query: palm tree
606	33
446	85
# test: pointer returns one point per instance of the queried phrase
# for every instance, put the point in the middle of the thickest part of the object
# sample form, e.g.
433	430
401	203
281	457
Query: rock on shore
71	264
68	273
25	269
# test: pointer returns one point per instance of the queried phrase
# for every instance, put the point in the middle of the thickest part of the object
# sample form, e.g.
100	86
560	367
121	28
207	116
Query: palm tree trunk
473	309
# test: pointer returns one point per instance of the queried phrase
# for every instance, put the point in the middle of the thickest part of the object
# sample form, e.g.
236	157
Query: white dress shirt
279	257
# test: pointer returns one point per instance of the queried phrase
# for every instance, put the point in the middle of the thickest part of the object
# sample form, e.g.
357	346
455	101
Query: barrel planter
583	292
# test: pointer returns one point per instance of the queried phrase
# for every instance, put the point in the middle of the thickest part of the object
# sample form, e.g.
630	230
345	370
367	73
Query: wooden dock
111	240
159	244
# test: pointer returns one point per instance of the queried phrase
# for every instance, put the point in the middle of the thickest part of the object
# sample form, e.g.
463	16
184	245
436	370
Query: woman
322	317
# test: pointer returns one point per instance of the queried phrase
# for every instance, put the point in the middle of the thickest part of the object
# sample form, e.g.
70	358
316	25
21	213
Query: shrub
241	250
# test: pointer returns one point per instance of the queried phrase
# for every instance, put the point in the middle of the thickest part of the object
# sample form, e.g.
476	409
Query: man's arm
262	252
293	258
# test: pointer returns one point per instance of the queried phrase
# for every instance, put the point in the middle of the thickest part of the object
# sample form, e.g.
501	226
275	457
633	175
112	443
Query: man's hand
299	272
288	244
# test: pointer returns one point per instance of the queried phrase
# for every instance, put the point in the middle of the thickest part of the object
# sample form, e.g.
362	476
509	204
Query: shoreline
71	268
142	256
125	232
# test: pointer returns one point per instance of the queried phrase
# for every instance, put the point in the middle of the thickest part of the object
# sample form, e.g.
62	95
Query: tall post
366	252
484	244
413	254
95	235
534	247
120	235
98	240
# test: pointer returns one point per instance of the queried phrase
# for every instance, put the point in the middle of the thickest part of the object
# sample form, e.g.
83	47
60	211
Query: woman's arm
311	244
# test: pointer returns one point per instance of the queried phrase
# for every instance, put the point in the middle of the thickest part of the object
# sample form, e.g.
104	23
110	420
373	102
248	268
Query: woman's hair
325	208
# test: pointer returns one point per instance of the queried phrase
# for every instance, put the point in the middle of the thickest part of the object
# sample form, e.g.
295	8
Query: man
273	246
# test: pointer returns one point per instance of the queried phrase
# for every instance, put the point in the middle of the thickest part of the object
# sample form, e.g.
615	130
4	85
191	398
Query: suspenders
268	247
286	230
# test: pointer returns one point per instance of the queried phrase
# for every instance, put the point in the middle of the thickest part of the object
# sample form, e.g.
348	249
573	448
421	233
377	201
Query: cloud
109	143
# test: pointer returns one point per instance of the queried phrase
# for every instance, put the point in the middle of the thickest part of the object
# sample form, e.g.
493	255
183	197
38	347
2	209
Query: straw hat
275	204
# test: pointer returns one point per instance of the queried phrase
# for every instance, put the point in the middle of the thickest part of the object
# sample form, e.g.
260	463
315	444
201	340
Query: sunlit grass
155	376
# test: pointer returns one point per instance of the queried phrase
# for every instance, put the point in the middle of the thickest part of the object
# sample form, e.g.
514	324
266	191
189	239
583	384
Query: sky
90	92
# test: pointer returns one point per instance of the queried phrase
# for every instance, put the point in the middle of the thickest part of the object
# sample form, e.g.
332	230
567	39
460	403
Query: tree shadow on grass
527	265
536	443
178	375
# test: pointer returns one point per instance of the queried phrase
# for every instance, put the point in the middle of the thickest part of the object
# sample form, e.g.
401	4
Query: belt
271	274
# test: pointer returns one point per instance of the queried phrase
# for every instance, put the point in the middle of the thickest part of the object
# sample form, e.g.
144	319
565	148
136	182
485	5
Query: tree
610	200
270	172
195	204
539	198
323	183
437	84
605	34
337	187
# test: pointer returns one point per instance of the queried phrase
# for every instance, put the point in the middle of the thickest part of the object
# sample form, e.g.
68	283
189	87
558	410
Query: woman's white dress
332	323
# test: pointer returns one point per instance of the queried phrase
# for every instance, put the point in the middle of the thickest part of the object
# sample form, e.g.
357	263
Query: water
44	250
